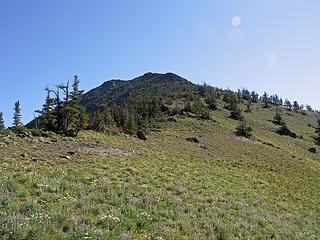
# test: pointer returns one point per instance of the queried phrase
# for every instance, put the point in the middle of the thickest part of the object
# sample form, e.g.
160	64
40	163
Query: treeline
62	112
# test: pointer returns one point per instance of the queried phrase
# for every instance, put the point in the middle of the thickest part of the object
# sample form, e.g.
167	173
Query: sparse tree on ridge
2	126
211	100
278	118
17	115
235	112
47	119
318	131
288	104
265	99
74	116
296	106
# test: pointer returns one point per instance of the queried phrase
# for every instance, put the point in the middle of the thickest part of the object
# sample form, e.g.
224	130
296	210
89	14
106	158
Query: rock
66	157
172	119
312	150
71	152
23	155
189	114
141	135
193	139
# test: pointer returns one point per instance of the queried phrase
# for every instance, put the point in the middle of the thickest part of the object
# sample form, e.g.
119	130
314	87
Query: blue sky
265	45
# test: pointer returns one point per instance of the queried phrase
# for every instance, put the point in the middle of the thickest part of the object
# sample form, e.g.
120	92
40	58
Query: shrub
244	130
285	131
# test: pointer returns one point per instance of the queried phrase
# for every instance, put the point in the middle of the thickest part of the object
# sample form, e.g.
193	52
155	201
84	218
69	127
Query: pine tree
74	116
211	100
296	106
288	104
318	131
254	97
265	99
17	115
2	126
278	118
47	119
235	112
75	86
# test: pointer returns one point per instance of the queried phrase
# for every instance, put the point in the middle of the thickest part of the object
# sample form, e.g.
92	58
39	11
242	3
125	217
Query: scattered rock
193	139
204	146
313	150
66	157
189	114
141	135
23	155
124	237
71	152
172	119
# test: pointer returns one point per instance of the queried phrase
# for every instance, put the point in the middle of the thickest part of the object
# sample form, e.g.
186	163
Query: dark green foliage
47	119
211	99
245	94
278	118
2	126
17	115
284	130
318	131
230	99
101	120
118	92
288	104
309	108
265	99
249	104
74	116
244	130
235	112
296	106
67	116
254	97
198	108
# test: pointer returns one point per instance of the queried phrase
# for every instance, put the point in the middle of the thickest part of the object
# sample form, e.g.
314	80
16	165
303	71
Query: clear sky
263	45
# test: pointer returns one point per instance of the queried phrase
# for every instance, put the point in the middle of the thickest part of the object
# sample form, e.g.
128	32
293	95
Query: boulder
141	135
193	139
172	119
313	150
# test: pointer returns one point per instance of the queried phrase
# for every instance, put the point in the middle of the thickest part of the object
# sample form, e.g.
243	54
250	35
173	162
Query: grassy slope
223	188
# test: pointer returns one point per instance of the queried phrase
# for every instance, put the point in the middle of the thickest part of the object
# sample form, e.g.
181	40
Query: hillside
148	85
115	186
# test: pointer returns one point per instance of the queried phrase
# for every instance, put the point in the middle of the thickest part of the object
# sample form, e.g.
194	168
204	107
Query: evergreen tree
75	87
278	118
254	96
309	108
211	100
318	131
74	116
296	106
2	126
265	100
288	104
47	119
235	112
17	115
246	95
